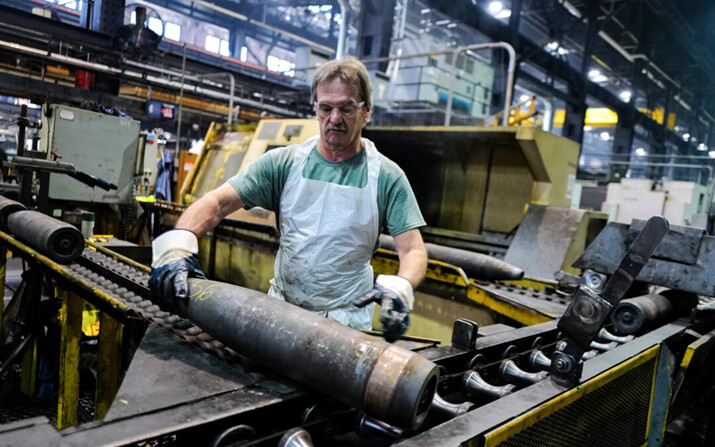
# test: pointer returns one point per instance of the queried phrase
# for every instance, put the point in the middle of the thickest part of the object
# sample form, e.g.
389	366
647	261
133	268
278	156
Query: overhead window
217	45
280	65
172	31
156	25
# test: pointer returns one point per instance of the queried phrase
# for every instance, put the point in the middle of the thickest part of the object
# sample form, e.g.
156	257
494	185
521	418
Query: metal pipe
7	207
343	31
209	93
385	381
475	265
633	315
232	79
181	103
450	409
508	371
59	241
474	384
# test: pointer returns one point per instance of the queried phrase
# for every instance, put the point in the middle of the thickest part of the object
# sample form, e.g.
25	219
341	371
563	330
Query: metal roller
605	336
539	361
296	437
640	313
448	408
475	265
387	382
59	241
509	371
603	347
588	355
8	207
473	384
370	428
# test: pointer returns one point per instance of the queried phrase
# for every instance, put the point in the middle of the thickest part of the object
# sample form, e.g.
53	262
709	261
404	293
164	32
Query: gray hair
349	70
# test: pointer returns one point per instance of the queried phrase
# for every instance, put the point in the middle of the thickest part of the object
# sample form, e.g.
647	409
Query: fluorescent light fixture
425	11
494	7
597	76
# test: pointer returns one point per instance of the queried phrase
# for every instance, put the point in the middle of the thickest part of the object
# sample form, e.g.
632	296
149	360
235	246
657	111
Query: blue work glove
396	297
174	261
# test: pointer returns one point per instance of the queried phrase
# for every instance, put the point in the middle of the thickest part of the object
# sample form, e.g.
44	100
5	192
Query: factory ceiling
662	49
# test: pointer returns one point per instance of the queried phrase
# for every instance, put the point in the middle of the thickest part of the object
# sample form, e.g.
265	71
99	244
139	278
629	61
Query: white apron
328	233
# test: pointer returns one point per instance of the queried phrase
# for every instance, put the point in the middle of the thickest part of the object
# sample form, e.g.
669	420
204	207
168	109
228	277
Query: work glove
396	297
174	261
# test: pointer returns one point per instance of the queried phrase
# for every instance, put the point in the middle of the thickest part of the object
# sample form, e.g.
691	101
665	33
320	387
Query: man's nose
335	116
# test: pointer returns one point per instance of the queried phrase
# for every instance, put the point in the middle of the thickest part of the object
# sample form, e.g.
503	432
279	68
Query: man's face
340	117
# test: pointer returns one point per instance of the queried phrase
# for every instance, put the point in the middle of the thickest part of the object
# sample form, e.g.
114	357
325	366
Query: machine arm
588	309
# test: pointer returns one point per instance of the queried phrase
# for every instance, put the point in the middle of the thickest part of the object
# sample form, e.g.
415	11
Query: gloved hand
174	261
396	298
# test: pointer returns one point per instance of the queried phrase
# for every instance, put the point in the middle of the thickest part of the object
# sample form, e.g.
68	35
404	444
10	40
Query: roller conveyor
491	391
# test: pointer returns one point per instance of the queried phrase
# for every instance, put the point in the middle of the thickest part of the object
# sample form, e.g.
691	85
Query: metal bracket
588	309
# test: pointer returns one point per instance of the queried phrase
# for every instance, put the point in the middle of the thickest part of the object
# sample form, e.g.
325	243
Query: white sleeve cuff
173	245
401	286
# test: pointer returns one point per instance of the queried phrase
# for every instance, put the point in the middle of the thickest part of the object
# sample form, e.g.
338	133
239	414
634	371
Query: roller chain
130	286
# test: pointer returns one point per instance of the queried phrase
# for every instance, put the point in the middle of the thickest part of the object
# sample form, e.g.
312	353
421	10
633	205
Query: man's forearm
208	211
413	256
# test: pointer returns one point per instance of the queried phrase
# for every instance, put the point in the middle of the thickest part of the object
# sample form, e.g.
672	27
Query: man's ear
367	116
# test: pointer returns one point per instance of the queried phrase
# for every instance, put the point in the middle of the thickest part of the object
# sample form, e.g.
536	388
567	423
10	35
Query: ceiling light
597	76
686	136
494	7
605	136
503	14
702	147
711	154
425	11
451	25
524	98
641	152
625	95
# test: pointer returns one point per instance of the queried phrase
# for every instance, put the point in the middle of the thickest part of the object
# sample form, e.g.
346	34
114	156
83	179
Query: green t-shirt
262	184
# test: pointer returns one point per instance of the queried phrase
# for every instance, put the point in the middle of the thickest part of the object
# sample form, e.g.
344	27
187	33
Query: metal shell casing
386	381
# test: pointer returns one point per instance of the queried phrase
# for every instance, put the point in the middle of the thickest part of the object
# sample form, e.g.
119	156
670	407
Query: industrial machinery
97	143
257	373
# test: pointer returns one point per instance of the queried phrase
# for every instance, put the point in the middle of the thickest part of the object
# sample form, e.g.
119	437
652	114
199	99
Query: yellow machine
473	186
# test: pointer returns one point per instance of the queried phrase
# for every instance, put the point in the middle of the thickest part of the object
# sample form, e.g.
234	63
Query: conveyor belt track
130	285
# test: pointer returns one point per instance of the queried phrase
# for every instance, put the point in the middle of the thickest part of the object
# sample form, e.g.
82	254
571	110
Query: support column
108	364
71	327
576	111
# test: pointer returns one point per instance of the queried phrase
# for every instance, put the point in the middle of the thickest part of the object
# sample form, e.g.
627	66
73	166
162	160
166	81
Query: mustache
338	128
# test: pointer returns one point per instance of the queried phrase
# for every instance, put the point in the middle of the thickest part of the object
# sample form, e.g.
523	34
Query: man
332	195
